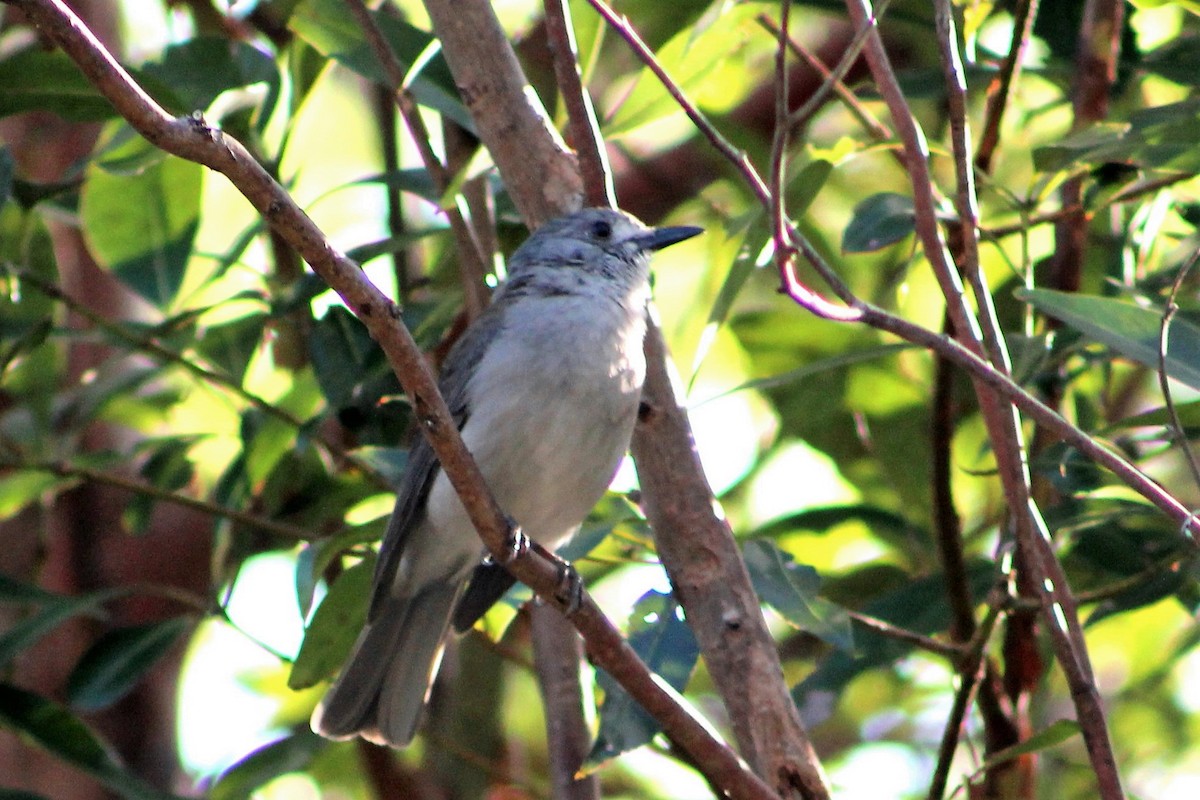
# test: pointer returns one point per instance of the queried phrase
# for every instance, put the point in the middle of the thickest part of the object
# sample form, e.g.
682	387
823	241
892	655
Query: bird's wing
422	467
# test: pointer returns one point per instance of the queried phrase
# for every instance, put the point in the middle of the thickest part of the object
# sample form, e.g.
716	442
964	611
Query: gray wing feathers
381	692
422	467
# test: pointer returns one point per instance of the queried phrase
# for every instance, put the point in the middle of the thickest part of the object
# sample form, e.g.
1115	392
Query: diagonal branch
195	140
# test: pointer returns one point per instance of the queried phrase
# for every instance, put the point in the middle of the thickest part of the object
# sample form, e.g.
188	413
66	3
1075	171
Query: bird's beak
659	238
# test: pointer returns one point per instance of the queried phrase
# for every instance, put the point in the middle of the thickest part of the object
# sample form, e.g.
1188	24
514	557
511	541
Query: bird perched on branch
544	387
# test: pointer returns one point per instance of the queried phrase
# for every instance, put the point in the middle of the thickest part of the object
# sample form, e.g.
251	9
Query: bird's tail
383	686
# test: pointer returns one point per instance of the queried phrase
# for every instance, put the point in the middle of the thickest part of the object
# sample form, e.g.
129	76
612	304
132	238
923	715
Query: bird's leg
570	584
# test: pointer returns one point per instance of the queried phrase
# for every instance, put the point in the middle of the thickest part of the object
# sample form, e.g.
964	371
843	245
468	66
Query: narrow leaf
117	661
879	221
266	763
56	730
792	590
1131	330
334	627
29	630
666	644
1044	739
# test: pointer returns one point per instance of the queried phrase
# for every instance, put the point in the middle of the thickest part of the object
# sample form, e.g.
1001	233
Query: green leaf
917	605
231	345
62	734
25	633
47	80
333	32
665	643
142	226
1131	330
286	755
387	461
817	367
334	627
879	221
17	794
116	662
1044	739
169	468
1189	417
702	60
8	168
24	488
341	349
13	591
792	590
200	69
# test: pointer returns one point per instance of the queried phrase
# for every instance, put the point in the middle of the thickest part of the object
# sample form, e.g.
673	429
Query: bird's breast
552	406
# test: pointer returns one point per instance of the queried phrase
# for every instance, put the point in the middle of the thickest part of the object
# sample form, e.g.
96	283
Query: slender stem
191	138
66	469
164	355
468	248
585	138
1164	382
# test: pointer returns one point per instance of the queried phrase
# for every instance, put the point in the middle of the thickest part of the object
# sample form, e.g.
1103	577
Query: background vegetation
197	436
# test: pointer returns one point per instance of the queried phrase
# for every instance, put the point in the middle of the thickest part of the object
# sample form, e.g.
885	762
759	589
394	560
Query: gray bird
544	387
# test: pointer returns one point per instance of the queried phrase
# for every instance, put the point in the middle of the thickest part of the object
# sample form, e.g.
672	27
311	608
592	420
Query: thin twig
65	469
833	78
191	138
164	355
467	247
584	130
971	671
1000	89
1164	381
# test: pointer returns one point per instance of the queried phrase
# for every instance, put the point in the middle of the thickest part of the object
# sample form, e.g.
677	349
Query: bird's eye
601	229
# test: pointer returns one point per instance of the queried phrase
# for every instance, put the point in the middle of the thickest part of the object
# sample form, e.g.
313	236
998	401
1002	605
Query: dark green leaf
47	80
1131	330
142	226
328	27
231	345
793	590
24	306
415	181
8	168
117	661
665	643
916	605
387	461
17	794
198	70
20	636
334	627
266	763
169	468
1177	60
879	221
19	592
340	348
1044	739
62	734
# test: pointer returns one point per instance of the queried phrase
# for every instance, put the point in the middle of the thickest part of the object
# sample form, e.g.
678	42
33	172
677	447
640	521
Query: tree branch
192	138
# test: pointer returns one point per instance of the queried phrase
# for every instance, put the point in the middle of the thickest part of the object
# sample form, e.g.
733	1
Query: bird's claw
570	588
